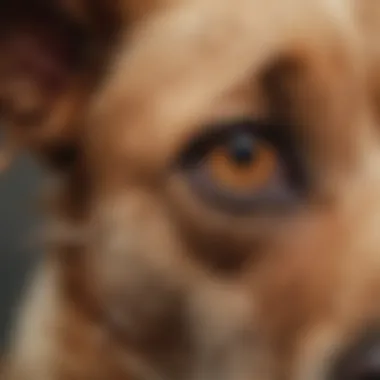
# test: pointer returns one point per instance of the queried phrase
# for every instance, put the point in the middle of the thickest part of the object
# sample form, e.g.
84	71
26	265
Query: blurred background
19	189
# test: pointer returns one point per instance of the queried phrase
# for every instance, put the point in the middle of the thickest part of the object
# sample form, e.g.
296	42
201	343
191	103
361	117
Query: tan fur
143	280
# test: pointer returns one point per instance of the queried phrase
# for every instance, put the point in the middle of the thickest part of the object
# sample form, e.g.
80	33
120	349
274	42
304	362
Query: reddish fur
141	275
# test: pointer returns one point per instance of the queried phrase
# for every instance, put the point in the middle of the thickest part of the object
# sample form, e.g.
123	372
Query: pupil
242	149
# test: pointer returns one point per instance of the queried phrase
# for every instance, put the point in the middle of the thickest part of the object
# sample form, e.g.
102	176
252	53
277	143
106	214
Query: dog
213	187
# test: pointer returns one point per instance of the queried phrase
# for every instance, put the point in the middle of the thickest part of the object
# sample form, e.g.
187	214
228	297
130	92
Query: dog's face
220	172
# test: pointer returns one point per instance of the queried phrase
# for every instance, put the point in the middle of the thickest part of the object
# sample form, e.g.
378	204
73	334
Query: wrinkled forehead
182	64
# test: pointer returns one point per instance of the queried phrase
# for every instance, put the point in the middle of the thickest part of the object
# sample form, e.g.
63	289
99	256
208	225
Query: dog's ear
51	56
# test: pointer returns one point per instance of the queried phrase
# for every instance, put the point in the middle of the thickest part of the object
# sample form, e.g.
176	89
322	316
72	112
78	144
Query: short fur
142	280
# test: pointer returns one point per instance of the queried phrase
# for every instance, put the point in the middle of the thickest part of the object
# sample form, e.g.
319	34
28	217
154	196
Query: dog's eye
242	162
244	166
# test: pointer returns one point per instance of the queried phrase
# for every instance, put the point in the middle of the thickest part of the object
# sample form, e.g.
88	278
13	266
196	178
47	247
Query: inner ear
50	61
41	43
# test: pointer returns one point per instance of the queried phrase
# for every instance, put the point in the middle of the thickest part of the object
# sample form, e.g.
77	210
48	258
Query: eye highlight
244	166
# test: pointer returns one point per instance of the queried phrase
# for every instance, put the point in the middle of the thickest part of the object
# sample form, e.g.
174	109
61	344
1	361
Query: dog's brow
180	61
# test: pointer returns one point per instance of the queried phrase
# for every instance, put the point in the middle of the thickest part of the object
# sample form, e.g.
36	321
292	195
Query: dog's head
220	175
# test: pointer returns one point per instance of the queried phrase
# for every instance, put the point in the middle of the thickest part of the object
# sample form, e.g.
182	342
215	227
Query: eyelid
216	134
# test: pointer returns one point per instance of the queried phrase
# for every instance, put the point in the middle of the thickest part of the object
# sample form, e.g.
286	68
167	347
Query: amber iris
243	163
